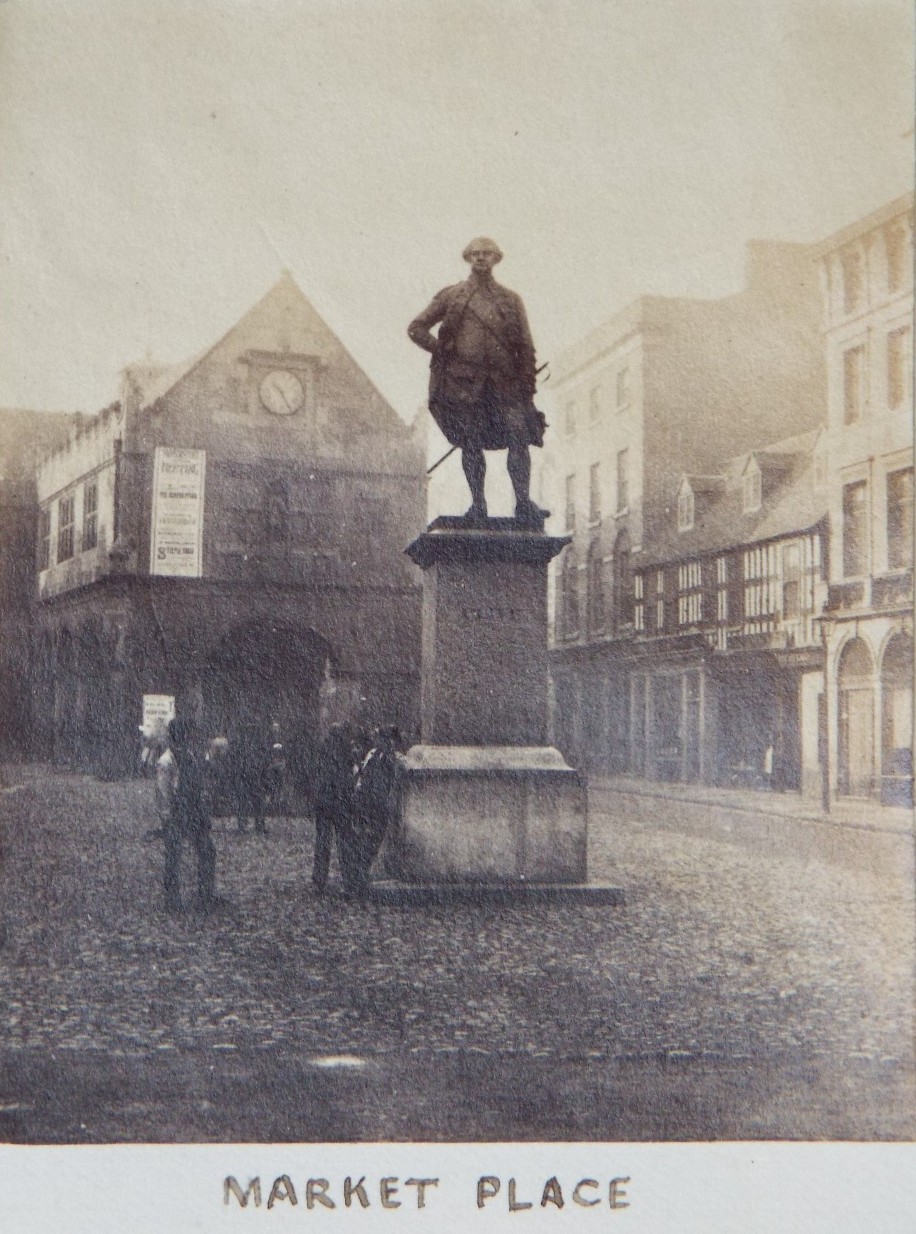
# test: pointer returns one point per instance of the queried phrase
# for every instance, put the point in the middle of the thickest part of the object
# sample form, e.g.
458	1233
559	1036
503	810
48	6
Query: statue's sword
450	452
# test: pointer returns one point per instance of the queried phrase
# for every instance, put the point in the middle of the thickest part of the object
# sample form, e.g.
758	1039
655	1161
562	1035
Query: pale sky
162	161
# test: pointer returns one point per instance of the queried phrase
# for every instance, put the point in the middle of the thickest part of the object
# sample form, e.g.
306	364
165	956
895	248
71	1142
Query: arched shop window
897	718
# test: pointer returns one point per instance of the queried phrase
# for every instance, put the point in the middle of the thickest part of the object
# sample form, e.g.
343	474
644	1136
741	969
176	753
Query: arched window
623	582
597	600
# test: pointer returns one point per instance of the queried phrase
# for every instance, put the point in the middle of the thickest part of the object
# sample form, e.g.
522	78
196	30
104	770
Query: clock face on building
281	392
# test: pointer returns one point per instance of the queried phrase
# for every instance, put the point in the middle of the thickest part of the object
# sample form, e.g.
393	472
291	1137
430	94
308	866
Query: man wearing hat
482	377
185	814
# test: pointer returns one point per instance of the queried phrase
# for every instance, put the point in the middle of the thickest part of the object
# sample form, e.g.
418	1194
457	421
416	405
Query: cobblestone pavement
785	947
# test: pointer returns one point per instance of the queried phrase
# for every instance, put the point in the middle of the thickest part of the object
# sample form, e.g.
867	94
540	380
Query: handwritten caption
391	1192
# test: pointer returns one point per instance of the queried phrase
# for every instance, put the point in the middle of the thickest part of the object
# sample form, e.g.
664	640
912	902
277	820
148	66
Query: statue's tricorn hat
482	242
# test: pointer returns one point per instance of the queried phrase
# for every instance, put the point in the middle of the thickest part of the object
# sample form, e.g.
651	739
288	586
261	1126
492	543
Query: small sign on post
158	710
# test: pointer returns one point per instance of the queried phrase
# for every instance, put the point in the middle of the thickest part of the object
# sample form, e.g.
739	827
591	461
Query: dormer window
751	488
685	507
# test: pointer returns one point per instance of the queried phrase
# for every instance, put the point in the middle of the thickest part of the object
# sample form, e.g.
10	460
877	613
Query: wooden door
857	742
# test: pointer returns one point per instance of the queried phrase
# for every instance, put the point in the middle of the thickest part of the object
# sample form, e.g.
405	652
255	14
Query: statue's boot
476	515
528	514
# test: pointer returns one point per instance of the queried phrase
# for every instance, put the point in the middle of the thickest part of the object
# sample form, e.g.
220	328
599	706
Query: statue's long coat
482	374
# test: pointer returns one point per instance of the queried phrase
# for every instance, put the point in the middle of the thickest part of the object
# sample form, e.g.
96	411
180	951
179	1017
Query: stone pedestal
485	798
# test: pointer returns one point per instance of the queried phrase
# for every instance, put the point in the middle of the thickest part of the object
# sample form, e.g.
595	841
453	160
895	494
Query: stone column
486	799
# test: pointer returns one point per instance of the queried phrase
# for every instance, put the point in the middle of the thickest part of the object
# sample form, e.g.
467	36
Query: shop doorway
897	722
855	772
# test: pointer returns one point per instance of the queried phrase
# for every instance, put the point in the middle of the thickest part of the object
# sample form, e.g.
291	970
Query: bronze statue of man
482	377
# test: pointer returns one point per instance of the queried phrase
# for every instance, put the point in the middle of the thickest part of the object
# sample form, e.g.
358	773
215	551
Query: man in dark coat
185	814
482	377
250	754
374	804
333	799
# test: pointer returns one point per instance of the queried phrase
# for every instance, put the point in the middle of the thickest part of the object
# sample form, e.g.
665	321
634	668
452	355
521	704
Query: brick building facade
737	605
867	282
666	386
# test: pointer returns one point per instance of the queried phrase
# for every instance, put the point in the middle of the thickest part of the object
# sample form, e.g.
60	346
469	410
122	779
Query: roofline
186	367
651	562
869	222
772	451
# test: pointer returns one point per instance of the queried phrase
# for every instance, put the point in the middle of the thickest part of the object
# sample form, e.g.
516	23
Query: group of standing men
483	377
355	798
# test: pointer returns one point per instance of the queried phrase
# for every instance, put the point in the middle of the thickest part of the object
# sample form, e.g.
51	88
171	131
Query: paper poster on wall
178	512
158	710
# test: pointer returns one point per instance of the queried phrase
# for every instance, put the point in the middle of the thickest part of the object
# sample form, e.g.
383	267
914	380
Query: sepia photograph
456	592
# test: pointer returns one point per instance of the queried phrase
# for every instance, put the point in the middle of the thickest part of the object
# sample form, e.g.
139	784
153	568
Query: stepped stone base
490	814
429	895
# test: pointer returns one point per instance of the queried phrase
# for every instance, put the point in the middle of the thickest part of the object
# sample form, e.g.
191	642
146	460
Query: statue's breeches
472	409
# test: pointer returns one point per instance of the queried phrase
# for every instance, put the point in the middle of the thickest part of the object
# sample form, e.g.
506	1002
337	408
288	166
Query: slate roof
789	503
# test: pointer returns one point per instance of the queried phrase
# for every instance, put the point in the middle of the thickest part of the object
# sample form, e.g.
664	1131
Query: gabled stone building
229	535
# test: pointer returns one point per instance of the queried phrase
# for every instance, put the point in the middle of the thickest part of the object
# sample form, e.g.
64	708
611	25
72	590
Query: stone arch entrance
856	682
261	672
897	721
